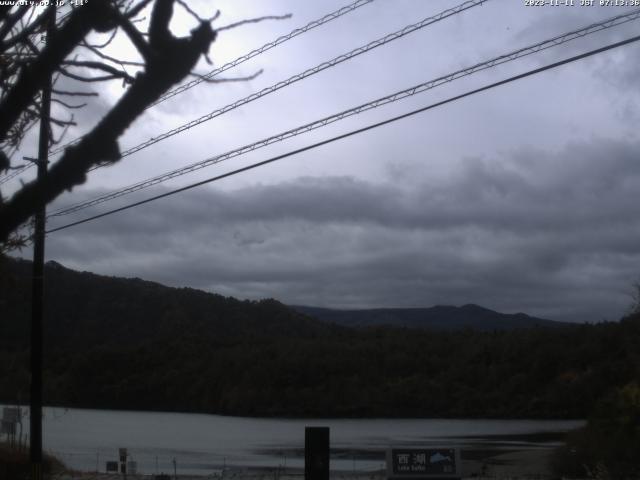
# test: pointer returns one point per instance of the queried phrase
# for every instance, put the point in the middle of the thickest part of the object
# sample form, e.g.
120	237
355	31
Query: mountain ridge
438	317
85	304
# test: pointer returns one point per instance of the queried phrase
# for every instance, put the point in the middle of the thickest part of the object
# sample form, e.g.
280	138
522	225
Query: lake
201	444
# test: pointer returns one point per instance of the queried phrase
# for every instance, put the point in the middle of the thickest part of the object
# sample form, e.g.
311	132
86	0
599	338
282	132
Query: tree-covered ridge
83	308
439	317
117	343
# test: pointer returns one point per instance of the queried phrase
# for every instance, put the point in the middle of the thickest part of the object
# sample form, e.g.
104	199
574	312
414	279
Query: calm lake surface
201	444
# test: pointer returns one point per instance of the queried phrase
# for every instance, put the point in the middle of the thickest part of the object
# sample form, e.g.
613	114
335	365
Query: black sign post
423	463
123	454
316	453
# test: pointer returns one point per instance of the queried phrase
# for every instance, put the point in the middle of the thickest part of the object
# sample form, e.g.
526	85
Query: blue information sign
428	463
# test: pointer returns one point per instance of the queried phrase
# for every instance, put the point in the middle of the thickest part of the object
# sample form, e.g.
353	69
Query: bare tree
25	63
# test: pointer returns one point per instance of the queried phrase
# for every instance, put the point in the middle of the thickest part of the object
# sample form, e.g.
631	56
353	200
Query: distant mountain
441	317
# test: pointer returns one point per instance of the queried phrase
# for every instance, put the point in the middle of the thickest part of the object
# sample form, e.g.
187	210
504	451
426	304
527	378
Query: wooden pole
37	299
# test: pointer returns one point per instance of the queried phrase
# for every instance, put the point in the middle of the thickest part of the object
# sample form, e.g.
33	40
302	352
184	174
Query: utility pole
37	299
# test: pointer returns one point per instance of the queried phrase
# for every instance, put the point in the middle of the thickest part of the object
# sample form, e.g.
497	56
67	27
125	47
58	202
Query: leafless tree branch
254	20
184	5
11	20
68	105
131	13
81	78
100	66
74	94
25	33
97	51
135	36
226	80
107	42
167	61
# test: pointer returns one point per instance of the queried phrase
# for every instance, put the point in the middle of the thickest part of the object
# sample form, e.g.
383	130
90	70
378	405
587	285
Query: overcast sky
522	198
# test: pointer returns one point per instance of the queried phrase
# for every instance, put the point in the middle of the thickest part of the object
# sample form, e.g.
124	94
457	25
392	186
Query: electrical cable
555	41
305	74
18	171
354	132
243	58
268	46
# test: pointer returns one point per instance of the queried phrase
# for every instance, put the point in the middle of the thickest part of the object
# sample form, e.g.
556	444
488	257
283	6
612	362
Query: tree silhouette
25	64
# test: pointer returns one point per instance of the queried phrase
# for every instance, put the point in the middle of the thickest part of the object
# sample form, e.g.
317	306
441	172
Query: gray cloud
520	199
550	233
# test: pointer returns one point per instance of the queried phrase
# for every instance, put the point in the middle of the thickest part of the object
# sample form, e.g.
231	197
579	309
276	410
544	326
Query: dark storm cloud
550	233
529	191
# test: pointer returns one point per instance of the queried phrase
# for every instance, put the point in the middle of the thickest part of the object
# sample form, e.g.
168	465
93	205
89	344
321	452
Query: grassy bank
14	463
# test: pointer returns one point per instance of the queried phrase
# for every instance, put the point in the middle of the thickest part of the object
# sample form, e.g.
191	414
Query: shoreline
477	463
294	417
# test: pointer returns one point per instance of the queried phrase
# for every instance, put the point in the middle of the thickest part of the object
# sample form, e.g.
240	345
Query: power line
268	46
253	53
15	173
555	41
19	170
355	132
8	176
307	73
328	64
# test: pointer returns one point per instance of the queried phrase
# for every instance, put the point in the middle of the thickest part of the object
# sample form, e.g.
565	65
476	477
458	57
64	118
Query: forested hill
131	344
83	308
86	308
440	317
